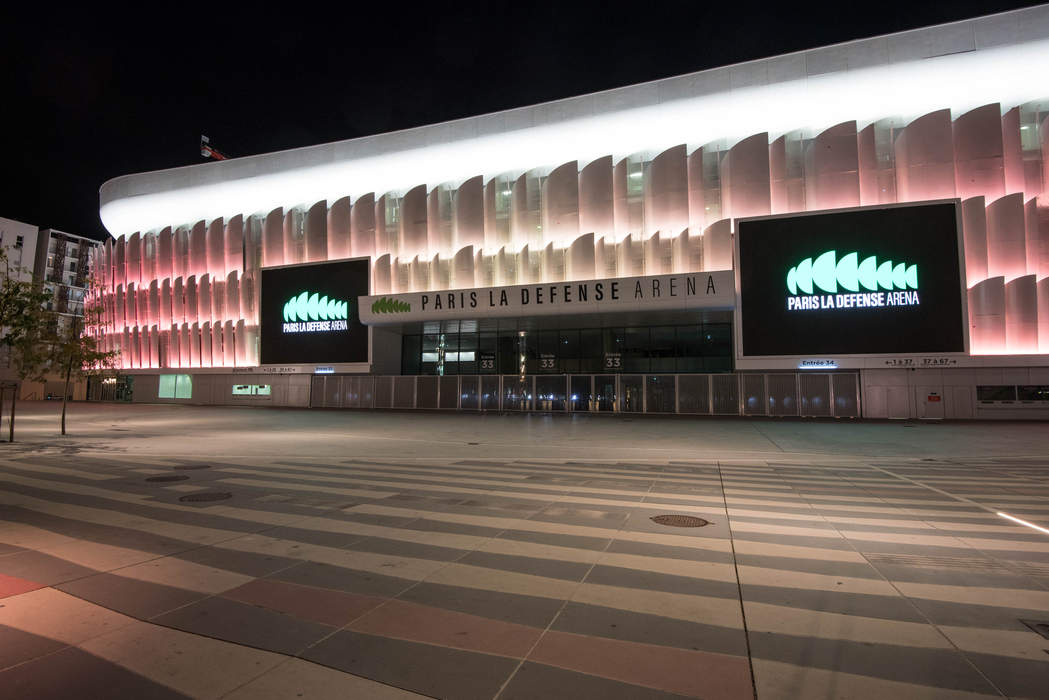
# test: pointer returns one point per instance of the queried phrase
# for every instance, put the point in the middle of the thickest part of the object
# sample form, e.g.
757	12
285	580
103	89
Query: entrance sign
818	364
694	290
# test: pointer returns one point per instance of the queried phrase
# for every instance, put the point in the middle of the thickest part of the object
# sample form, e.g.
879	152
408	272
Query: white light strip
393	162
1023	522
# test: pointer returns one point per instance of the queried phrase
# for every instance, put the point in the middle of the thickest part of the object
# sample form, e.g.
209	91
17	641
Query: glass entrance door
581	395
489	393
550	393
517	393
605	392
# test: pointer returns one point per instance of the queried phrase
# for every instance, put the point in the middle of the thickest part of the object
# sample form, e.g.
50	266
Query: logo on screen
829	282
313	313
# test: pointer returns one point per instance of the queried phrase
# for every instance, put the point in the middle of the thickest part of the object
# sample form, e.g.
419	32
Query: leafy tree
23	326
37	341
75	353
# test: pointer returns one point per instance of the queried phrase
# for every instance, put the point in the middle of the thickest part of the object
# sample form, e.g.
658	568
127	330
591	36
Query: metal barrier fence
831	394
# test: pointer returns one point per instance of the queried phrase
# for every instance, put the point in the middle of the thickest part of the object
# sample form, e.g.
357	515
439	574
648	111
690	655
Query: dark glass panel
1033	393
996	393
430	350
662	349
635	350
690	349
411	354
568	350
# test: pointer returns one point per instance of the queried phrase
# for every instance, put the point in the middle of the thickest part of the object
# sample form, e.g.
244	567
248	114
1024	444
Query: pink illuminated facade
180	281
180	298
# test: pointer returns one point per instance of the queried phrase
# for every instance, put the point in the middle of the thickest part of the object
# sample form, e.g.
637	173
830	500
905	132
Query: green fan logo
829	282
390	306
311	312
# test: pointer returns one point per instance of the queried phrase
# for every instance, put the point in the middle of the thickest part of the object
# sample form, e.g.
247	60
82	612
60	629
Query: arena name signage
850	283
313	313
671	292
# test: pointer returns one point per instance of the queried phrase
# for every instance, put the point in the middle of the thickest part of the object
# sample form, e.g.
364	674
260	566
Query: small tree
75	349
23	326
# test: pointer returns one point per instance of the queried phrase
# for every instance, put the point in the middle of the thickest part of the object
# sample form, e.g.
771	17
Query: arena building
855	230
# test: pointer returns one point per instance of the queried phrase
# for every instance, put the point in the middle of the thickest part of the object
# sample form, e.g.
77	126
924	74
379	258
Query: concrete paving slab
535	680
250	625
139	599
296	678
55	676
423	668
17	647
188	663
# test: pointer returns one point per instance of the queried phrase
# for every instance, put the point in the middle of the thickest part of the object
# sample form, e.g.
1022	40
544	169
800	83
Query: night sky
92	93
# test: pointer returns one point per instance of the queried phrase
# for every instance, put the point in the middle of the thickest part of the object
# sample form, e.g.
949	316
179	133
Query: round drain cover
192	466
205	496
679	520
170	477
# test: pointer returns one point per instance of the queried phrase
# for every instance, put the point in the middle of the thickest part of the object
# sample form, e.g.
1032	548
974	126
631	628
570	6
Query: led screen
880	280
309	313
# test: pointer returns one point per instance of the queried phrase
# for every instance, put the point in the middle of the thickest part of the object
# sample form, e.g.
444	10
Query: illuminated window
1033	393
251	389
175	386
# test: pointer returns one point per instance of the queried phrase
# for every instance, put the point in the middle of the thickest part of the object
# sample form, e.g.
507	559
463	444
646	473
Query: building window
18	241
996	393
700	347
175	386
1033	393
251	389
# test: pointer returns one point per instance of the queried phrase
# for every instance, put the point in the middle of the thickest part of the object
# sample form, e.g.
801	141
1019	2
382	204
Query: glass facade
698	347
751	394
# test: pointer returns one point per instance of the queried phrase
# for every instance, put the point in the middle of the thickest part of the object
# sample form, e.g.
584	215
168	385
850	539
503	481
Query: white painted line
1023	522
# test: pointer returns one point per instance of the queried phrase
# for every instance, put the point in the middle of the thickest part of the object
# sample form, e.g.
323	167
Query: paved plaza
404	555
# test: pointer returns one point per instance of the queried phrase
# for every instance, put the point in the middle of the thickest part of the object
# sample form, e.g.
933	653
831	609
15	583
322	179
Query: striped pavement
522	578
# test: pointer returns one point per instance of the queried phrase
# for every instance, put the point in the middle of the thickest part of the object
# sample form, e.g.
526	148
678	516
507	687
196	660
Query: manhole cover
186	467
679	520
205	497
170	477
